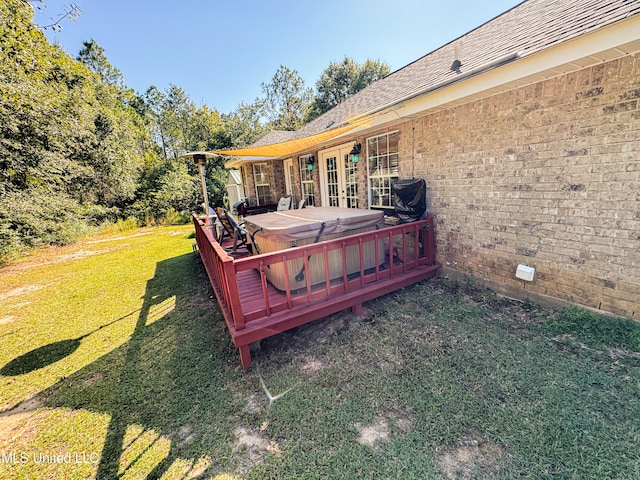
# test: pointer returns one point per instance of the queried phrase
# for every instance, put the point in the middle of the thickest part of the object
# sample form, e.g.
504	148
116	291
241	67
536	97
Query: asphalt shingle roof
529	27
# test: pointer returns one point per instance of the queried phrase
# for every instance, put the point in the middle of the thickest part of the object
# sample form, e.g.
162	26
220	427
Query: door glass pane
290	181
351	182
333	186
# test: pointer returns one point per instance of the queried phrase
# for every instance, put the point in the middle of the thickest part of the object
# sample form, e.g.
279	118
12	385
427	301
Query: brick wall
546	175
275	173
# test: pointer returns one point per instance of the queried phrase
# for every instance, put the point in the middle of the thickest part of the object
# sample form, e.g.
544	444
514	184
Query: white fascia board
608	43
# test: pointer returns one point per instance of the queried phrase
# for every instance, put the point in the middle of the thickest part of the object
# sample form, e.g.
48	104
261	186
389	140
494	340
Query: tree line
79	149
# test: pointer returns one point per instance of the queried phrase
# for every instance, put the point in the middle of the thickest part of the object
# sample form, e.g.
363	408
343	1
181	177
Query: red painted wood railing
254	309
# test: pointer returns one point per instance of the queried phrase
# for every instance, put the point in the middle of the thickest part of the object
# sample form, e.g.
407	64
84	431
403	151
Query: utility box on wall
525	272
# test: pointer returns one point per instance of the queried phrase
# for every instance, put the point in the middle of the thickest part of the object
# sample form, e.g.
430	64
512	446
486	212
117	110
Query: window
306	177
261	179
382	165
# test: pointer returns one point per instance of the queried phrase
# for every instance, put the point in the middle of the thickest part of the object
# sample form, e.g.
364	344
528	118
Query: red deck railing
254	309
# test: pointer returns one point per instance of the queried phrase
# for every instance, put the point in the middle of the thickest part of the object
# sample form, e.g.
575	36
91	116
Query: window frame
380	177
264	175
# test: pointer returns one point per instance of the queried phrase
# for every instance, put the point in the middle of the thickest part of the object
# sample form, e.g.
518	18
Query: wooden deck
254	309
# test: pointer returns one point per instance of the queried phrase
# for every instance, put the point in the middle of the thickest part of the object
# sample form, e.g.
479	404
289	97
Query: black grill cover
410	199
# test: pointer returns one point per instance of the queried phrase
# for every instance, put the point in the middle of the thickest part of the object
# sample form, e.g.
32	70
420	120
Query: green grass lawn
116	363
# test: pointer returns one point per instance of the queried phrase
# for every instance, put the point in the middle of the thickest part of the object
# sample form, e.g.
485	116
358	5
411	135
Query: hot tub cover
291	225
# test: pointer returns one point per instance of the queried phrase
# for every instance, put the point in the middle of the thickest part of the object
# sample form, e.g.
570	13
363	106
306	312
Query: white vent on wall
525	272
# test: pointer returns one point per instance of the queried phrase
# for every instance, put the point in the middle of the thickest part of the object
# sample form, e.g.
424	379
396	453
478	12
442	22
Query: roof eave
611	42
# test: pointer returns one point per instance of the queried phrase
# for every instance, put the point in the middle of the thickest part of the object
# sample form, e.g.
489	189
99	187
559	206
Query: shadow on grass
48	354
168	379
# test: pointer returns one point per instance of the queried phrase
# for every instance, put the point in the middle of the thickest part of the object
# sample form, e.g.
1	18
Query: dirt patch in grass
52	259
184	436
8	319
571	341
77	255
312	365
93	378
322	330
374	434
21	421
19	291
383	426
123	237
472	457
251	446
253	404
400	416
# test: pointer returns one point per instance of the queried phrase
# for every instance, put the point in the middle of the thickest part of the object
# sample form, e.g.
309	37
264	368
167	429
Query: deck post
245	357
233	299
357	309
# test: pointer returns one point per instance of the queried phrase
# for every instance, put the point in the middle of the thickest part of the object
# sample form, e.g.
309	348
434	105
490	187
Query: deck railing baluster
307	275
232	293
376	247
327	277
429	242
361	257
345	276
265	292
287	284
391	252
404	249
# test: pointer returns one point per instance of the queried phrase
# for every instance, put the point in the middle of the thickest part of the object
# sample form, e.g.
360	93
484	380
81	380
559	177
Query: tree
341	80
71	12
69	145
152	108
370	71
92	55
176	126
243	126
286	100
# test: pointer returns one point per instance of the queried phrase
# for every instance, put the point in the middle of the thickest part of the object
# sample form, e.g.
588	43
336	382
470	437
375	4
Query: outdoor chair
284	204
241	236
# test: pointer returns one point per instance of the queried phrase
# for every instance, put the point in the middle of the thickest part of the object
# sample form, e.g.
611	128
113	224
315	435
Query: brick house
527	132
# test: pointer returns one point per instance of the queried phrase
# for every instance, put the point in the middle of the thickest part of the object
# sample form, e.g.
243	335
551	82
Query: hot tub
293	228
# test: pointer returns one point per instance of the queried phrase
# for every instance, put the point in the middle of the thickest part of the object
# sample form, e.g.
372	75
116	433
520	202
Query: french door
338	178
289	181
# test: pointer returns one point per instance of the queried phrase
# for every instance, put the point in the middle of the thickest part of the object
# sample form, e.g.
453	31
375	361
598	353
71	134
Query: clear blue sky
220	52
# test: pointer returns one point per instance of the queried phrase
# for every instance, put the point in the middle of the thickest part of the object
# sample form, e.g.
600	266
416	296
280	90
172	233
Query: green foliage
76	147
69	144
93	56
287	100
121	225
32	217
79	149
60	124
173	217
176	188
596	331
341	80
243	126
